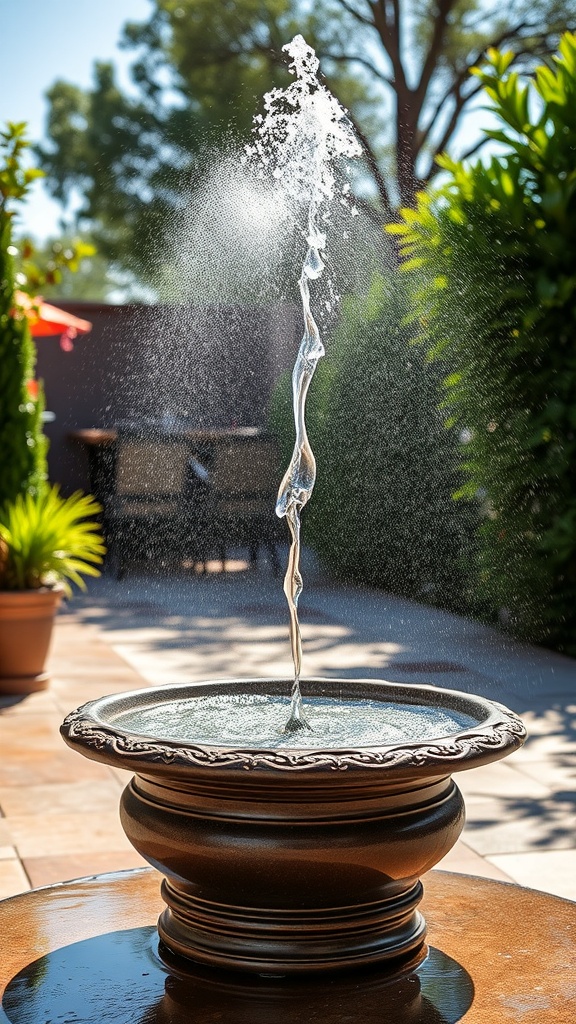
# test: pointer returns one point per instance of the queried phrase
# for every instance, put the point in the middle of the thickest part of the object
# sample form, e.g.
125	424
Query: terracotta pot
285	860
26	621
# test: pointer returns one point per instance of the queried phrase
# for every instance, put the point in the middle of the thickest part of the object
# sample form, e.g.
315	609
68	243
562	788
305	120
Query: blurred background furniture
235	506
185	494
146	513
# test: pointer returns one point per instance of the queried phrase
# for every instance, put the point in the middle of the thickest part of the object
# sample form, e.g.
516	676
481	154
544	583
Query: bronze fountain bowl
294	859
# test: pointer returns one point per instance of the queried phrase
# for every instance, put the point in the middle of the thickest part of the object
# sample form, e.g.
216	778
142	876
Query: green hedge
381	512
491	259
22	444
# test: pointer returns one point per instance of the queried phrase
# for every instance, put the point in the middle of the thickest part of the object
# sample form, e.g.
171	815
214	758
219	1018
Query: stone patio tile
499	780
92	658
73	695
47	870
58	798
34	835
550	871
521	824
557	776
551	734
72	655
41	703
563	700
13	879
93	668
69	646
87	658
464	860
31	732
5	837
38	767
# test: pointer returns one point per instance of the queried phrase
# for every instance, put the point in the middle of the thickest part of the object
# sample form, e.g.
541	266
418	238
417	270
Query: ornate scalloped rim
508	733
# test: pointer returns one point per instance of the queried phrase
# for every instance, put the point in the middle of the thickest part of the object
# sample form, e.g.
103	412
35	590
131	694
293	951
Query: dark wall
209	367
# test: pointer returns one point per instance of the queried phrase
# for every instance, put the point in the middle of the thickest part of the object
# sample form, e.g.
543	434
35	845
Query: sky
42	40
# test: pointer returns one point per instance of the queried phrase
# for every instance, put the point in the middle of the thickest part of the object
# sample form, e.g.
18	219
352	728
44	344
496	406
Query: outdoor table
100	445
88	951
95	437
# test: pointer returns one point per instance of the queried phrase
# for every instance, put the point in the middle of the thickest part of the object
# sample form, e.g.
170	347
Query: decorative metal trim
506	734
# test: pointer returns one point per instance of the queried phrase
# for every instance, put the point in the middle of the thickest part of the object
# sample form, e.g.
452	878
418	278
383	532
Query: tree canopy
401	67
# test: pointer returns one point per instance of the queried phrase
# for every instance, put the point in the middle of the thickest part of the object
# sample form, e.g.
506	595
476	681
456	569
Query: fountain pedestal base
286	942
290	875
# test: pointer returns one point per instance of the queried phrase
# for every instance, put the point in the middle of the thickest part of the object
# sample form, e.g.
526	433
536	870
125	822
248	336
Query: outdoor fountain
292	837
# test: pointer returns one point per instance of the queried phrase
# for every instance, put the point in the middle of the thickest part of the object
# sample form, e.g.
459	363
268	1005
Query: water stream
303	134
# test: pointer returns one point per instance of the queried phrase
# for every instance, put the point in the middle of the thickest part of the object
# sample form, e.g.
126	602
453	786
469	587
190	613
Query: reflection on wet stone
119	978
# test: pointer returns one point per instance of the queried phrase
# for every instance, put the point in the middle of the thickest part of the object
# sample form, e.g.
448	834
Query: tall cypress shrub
22	444
491	260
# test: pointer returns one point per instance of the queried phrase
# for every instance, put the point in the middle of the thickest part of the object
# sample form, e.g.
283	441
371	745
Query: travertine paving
59	812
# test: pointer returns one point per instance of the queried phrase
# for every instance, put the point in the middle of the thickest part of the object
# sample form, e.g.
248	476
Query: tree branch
356	14
373	164
454	88
423	133
343	57
388	28
474	149
459	102
435	49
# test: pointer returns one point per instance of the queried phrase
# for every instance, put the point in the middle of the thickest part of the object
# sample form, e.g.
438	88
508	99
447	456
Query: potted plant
47	543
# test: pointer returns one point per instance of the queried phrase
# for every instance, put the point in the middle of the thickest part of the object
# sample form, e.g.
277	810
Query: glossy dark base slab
88	951
118	978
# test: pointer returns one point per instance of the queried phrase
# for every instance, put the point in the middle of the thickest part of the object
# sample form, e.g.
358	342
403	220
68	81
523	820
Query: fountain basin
289	858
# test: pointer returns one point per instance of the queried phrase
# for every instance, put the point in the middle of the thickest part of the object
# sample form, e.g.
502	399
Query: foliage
69	267
47	540
44	268
201	68
381	512
492	256
22	444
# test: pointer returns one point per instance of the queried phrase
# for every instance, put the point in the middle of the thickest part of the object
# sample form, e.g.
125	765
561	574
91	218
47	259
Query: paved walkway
58	811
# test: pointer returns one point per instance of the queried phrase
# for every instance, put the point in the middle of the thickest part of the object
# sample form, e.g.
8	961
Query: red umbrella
46	320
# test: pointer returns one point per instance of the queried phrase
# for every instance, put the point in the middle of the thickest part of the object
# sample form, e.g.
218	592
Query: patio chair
147	515
235	507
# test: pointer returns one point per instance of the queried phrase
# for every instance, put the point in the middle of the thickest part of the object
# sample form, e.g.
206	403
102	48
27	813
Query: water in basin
256	721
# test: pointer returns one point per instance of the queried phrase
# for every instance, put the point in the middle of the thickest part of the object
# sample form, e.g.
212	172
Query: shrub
22	445
381	512
491	258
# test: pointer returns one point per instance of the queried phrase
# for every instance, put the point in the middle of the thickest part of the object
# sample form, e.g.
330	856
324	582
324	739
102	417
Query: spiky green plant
48	540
